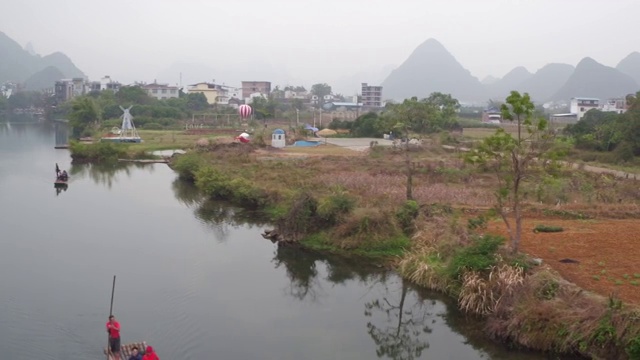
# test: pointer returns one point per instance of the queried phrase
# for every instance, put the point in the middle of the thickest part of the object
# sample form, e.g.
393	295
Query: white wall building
161	91
580	105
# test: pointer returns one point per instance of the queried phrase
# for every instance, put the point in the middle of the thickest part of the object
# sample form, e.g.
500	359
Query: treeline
615	136
425	116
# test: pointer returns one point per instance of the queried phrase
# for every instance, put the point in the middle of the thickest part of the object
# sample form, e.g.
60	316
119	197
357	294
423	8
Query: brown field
608	252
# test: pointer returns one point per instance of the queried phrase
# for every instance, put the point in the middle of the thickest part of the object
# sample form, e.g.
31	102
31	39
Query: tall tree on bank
427	116
84	114
514	159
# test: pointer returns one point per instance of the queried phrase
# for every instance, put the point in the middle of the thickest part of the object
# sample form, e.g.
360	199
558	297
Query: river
194	278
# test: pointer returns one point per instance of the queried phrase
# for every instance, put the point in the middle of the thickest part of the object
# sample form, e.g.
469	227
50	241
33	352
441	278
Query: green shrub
478	256
479	222
394	246
407	214
333	207
98	152
187	165
213	183
633	348
244	193
547	229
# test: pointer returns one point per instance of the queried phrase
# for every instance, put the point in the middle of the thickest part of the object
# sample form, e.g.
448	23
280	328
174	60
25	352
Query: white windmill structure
127	133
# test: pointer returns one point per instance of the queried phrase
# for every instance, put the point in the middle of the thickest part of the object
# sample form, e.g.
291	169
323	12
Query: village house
161	91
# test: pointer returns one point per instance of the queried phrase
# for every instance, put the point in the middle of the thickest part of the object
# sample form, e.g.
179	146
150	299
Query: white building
161	91
615	105
291	94
580	105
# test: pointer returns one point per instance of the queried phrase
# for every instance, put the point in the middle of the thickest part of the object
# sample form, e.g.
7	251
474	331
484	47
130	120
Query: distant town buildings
67	89
217	94
579	106
106	83
371	95
252	88
161	91
8	88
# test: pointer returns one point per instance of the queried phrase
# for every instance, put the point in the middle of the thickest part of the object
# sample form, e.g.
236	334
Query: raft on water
126	349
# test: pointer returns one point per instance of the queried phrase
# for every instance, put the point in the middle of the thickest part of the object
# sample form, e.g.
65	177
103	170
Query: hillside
432	68
630	65
547	81
43	79
592	79
18	64
511	81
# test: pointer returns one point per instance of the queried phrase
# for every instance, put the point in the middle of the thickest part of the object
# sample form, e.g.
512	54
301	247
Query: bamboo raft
125	350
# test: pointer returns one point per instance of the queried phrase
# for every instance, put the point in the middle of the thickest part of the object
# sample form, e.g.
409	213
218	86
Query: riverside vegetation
436	234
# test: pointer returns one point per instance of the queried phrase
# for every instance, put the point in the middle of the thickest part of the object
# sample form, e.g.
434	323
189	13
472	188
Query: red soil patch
608	252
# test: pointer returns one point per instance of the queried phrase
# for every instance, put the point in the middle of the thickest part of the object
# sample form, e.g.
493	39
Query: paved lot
359	144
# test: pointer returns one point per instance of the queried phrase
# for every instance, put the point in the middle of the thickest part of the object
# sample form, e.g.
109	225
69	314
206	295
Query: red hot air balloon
245	111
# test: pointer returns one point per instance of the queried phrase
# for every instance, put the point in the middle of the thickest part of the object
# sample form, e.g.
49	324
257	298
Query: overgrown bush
633	348
213	183
407	214
98	152
333	207
187	165
479	256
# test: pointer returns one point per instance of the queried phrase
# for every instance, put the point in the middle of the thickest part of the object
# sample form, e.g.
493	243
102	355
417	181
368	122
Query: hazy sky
302	42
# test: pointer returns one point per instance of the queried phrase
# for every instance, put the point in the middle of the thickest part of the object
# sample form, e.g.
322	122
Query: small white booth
278	138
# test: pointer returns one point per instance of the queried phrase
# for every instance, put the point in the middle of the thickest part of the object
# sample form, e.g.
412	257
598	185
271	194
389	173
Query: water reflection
301	267
403	335
219	216
60	188
106	174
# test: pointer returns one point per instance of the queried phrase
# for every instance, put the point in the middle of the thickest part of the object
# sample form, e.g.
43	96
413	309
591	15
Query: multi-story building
615	105
64	90
580	105
371	95
216	94
255	87
209	90
161	91
107	84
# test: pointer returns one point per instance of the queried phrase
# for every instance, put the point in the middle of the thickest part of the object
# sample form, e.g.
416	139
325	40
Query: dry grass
482	294
322	150
548	313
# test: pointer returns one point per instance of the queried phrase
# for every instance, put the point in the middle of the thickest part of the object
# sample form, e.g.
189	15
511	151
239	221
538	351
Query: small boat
126	349
62	178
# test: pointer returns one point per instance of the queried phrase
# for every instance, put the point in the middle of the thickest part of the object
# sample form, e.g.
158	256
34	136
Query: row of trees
425	116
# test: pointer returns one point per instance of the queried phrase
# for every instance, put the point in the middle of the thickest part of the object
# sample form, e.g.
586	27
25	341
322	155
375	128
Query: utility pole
297	117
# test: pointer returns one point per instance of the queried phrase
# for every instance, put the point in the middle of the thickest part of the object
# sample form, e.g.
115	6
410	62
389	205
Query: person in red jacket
113	328
150	354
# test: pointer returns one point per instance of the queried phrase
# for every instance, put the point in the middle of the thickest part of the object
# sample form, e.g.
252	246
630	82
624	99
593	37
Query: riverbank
354	203
337	200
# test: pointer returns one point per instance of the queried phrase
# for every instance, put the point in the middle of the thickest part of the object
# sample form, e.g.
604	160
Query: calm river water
194	279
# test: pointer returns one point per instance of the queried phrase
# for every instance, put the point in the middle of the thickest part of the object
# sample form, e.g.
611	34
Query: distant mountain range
432	68
33	71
